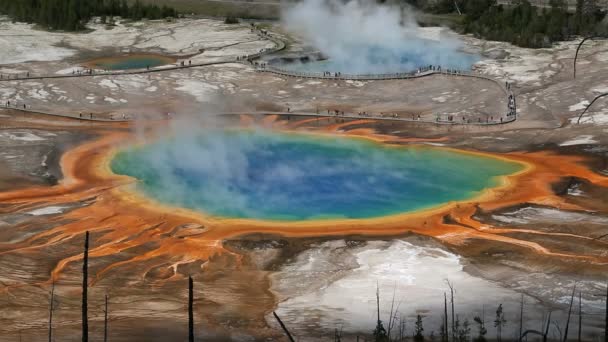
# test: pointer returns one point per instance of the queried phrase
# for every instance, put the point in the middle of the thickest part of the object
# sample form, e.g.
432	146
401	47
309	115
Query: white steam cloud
362	37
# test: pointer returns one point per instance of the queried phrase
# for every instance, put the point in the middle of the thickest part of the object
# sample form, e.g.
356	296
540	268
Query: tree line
73	15
522	23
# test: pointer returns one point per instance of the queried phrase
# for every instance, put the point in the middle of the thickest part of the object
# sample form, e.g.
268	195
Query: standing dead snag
580	316
606	313
569	314
105	321
190	310
445	318
451	286
521	316
85	277
51	307
379	332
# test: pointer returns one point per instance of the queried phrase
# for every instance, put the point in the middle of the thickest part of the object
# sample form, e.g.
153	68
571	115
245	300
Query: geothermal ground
536	235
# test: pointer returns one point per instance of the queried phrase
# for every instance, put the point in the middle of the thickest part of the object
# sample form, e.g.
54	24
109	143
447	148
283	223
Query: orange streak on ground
123	219
339	126
299	123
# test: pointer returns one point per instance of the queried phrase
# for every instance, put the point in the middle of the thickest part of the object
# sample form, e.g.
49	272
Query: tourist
190	62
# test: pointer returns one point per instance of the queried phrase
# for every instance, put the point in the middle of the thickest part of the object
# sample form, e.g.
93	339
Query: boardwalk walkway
350	116
263	67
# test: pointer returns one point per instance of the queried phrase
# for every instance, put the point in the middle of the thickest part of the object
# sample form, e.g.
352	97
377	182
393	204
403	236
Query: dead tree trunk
190	310
105	322
445	318
521	316
51	307
547	328
580	316
85	277
569	314
452	302
606	323
285	328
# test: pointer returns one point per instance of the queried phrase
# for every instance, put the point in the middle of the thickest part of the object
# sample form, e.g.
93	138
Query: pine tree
499	322
419	329
481	327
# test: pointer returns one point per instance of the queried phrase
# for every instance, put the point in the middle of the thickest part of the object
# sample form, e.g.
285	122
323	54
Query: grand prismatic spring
358	171
274	176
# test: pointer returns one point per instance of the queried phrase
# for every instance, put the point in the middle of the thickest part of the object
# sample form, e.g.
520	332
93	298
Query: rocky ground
317	285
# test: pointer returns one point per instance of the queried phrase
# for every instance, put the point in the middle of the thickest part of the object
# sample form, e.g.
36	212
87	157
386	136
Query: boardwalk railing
438	121
279	44
510	116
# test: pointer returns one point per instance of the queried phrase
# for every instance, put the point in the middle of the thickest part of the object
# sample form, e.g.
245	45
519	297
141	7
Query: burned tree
569	314
51	308
105	321
446	335
379	333
606	317
85	277
190	310
580	316
521	316
451	286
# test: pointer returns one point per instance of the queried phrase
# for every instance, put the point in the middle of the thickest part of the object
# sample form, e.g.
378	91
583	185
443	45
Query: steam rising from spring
362	37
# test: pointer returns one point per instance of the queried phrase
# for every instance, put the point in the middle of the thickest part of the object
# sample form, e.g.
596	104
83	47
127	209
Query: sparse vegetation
72	15
231	20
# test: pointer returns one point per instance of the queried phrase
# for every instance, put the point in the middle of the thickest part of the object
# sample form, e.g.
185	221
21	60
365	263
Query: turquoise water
378	59
131	62
276	176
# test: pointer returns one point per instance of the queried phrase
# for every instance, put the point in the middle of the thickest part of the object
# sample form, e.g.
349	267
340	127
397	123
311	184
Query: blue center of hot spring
276	176
377	59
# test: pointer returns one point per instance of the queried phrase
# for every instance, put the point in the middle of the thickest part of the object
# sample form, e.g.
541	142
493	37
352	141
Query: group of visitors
182	64
87	71
14	76
15	105
329	74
